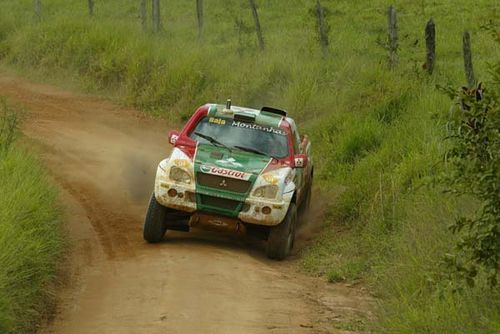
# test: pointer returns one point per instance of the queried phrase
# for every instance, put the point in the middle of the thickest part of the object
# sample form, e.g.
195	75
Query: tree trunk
199	15
430	43
393	36
38	8
323	34
469	69
257	23
91	7
143	15
156	16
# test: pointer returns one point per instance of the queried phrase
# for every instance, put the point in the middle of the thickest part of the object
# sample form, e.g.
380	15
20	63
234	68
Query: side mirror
300	160
173	136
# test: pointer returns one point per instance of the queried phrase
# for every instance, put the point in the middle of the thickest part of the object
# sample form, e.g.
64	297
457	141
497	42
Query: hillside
377	132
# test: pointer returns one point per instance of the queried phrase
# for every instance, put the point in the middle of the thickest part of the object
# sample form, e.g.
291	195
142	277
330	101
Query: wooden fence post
156	16
469	70
323	31
257	23
393	36
199	15
430	44
91	7
38	8
143	15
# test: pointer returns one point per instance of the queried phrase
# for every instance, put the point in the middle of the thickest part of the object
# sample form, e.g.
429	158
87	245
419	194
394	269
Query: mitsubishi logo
223	184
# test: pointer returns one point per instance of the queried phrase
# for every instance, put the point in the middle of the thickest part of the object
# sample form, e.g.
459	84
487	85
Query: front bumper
255	211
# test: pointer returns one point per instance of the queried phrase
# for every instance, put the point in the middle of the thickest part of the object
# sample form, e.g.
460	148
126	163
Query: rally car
234	169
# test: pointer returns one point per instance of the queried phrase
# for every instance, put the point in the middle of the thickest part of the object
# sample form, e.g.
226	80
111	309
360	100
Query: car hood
232	163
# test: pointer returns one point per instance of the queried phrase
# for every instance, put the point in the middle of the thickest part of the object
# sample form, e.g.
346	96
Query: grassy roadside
30	234
379	133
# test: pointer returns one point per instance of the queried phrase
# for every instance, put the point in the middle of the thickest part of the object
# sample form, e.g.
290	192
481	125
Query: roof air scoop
274	111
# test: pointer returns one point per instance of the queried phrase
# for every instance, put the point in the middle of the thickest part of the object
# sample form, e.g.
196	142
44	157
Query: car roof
261	117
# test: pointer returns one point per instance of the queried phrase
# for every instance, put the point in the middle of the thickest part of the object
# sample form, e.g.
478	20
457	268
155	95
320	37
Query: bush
473	170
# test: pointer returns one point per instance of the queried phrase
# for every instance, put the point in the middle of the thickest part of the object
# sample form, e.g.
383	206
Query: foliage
473	170
8	127
30	235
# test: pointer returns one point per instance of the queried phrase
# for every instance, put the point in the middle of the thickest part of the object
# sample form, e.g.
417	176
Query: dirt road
104	157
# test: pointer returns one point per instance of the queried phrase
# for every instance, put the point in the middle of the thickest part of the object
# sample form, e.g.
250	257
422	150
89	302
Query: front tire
154	224
282	236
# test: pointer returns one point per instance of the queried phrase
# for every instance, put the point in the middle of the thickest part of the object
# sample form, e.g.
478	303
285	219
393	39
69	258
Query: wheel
281	237
154	224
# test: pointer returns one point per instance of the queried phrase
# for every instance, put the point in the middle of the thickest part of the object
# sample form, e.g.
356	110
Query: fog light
172	192
266	210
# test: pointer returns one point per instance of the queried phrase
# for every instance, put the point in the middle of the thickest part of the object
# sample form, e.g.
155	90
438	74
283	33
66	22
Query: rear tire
282	236
154	224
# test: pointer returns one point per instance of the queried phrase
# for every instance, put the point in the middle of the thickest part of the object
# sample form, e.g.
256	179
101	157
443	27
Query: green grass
30	237
377	133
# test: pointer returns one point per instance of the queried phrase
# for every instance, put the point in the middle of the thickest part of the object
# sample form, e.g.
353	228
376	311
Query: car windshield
250	137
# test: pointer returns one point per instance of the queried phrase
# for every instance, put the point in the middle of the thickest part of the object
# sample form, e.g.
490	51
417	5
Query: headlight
269	191
179	175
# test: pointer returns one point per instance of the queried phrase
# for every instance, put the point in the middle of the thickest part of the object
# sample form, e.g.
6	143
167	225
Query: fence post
91	7
142	14
257	23
393	36
469	70
430	44
323	34
38	8
156	16
199	15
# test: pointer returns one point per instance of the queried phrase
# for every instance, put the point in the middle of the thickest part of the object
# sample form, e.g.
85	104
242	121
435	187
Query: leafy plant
473	169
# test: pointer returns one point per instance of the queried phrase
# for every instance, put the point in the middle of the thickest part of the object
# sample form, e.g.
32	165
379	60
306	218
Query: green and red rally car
234	169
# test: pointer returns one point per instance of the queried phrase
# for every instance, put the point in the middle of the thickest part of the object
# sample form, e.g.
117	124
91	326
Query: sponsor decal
234	174
183	163
258	127
229	162
173	139
215	120
270	179
299	162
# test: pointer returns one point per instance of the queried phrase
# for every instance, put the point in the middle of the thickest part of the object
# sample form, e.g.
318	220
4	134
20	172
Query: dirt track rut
104	156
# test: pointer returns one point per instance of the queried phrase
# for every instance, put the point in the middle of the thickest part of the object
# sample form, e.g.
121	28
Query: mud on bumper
258	212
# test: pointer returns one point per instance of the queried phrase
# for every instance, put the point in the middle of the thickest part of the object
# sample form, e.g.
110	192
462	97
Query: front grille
223	183
223	203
